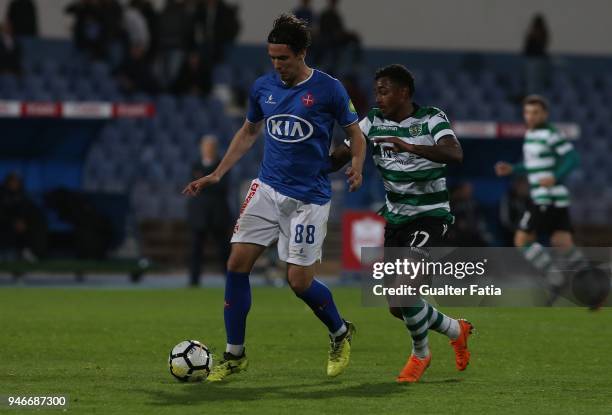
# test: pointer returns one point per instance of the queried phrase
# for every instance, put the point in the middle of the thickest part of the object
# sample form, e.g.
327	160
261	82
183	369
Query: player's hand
195	186
354	179
399	146
547	181
503	168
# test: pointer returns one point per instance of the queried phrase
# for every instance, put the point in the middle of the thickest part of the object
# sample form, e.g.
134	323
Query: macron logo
289	128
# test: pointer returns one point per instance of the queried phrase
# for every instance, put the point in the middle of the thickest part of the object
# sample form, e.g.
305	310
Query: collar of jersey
544	126
416	109
312	71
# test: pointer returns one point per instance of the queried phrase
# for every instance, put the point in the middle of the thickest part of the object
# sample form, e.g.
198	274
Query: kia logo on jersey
289	128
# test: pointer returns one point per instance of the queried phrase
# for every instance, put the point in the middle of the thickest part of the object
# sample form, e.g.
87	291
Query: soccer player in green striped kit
411	147
547	160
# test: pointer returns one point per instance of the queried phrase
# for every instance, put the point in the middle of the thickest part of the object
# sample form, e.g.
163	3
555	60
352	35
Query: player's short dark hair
536	100
398	74
291	31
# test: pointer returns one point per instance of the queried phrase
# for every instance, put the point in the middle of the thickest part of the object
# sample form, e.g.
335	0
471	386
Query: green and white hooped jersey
542	149
415	187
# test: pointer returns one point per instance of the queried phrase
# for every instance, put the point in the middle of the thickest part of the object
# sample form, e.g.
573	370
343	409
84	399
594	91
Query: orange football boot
460	344
414	369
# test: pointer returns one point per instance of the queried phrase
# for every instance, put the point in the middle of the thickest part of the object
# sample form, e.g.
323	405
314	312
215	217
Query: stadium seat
166	104
8	84
222	74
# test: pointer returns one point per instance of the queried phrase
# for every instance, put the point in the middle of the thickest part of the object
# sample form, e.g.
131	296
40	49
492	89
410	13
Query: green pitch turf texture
107	350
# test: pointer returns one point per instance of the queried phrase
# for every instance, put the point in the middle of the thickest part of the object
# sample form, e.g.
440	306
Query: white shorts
267	216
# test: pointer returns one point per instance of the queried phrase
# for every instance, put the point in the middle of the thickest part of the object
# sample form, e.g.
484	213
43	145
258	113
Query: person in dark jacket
89	31
216	27
22	15
135	73
23	227
334	38
175	29
195	76
10	51
535	50
208	213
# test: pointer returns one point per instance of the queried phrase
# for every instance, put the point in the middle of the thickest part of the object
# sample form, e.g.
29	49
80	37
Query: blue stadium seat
58	86
83	89
199	123
190	104
222	74
99	71
33	83
166	104
8	84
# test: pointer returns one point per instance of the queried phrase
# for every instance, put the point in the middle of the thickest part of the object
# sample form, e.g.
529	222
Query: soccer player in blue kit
289	201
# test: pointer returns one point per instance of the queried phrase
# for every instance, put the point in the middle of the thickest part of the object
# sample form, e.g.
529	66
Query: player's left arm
446	148
357	152
345	114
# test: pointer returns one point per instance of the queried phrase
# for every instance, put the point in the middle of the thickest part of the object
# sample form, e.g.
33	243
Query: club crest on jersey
288	128
308	100
415	130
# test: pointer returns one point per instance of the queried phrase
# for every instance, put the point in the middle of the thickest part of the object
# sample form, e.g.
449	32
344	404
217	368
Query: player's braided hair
398	74
291	31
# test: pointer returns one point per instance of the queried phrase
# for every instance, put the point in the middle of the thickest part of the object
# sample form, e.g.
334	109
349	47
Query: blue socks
319	299
237	305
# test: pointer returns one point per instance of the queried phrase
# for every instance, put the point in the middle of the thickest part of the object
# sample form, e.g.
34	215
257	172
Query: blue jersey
299	122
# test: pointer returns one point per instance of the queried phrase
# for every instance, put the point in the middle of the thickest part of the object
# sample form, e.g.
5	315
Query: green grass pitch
107	350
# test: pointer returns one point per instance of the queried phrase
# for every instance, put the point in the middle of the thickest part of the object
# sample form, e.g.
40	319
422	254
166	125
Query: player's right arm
241	143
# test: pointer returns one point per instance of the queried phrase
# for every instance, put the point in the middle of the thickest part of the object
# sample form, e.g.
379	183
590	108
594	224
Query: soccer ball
190	361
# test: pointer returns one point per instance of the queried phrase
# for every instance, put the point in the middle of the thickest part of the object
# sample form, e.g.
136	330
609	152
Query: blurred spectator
22	15
358	97
136	74
535	50
10	51
195	77
216	27
23	229
512	206
151	17
333	38
92	233
175	29
136	27
536	41
111	13
469	228
208	212
88	31
304	12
